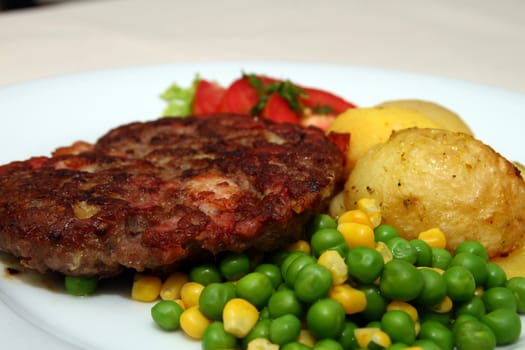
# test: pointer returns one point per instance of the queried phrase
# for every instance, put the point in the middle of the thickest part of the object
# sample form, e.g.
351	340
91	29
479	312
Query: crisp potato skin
425	178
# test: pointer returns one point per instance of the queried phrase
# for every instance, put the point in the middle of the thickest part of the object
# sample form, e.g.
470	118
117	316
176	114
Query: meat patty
149	195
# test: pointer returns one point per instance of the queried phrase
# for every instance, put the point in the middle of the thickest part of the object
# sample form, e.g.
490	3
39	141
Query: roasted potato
426	178
442	116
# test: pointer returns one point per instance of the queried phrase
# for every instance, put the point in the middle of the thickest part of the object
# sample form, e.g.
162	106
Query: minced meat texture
149	195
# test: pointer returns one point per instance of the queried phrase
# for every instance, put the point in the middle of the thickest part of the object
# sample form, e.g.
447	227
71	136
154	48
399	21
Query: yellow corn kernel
190	293
300	245
146	288
358	216
364	335
171	287
370	207
193	322
357	234
403	306
414	348
352	300
306	337
417	327
181	303
443	306
385	252
239	317
434	237
335	264
261	344
380	340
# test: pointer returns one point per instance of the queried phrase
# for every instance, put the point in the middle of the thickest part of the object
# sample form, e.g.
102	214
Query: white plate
41	115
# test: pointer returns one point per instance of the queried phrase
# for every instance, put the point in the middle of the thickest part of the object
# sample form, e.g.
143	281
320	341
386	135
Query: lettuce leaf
179	99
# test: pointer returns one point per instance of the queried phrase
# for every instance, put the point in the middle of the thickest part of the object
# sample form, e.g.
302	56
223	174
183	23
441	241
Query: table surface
481	41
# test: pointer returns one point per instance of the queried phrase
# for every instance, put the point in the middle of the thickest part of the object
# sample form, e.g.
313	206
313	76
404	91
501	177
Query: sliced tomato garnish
320	99
208	95
240	97
278	110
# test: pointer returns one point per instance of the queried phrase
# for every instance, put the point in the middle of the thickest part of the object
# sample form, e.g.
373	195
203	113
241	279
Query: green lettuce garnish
179	99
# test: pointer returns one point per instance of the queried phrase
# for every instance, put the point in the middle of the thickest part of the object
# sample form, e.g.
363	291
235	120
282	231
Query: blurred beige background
482	41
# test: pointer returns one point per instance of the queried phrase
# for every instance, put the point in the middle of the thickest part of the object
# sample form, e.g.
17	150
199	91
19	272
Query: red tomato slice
240	97
278	110
208	95
321	98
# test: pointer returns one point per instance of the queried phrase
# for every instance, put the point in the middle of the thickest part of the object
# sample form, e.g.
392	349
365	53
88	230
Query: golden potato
443	117
426	178
370	126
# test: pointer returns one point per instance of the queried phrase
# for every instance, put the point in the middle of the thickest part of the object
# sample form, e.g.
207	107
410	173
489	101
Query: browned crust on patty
148	195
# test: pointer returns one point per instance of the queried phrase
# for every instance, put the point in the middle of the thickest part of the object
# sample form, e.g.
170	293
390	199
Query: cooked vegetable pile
355	284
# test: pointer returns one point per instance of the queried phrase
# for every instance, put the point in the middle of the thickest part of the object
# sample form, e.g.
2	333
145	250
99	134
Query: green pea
80	286
260	330
213	298
460	319
423	252
295	267
328	344
255	287
384	232
402	249
328	238
347	338
475	264
284	329
400	280
473	247
313	282
325	319
205	274
374	324
376	303
517	286
289	260
474	307
364	264
319	222
497	277
295	345
273	272
277	257
427	344
505	324
264	313
399	326
434	287
429	314
398	346
440	334
234	265
216	338
474	335
441	258
499	298
461	285
166	314
284	302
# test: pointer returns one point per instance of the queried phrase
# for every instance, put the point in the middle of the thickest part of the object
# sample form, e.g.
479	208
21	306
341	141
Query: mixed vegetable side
352	283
